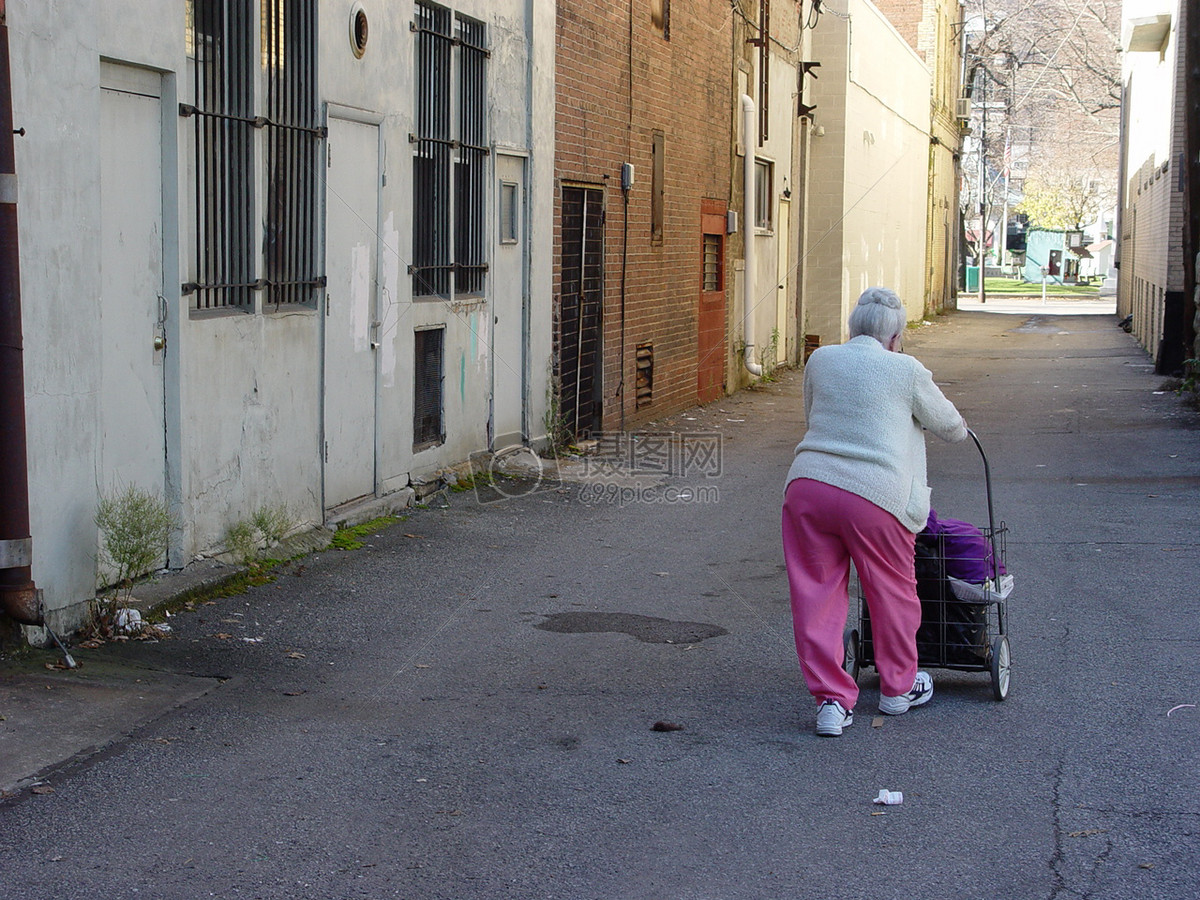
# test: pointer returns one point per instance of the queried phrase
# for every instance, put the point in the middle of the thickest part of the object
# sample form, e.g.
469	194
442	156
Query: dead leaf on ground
1145	865
414	535
92	644
1087	832
42	789
624	762
294	693
222	636
294	654
877	722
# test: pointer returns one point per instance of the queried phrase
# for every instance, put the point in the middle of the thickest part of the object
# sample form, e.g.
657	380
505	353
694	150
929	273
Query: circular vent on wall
359	29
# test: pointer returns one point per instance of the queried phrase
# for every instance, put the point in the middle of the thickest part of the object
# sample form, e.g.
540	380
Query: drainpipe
18	594
749	197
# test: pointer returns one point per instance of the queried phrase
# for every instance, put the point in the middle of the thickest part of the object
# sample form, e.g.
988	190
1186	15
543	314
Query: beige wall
869	170
1151	255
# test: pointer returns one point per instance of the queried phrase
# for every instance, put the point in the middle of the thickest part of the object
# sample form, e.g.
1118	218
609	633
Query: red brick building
642	181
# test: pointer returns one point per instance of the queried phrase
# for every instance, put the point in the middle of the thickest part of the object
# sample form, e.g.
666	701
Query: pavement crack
1057	881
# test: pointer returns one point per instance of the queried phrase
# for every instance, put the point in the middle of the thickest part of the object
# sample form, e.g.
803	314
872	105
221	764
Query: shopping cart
963	624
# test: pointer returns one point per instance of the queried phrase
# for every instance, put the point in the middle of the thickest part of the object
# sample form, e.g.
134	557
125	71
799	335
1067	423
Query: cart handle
987	480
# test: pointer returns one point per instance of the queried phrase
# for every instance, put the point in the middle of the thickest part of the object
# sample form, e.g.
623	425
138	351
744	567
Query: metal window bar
432	264
224	126
470	204
293	144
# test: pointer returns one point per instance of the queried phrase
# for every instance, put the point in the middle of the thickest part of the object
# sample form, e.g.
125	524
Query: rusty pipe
18	594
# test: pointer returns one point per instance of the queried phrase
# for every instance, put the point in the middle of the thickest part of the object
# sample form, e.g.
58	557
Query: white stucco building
1150	259
274	253
869	168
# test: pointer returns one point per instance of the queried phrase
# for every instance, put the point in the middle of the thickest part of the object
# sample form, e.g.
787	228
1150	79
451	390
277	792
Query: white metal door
132	308
509	304
351	256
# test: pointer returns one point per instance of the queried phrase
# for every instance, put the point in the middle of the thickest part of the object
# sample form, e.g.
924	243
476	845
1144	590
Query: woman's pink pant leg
824	528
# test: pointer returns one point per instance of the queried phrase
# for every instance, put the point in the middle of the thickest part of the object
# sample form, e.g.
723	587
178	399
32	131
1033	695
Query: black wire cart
963	626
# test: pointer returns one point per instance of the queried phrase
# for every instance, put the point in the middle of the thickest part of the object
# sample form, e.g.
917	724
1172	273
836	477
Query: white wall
869	170
243	391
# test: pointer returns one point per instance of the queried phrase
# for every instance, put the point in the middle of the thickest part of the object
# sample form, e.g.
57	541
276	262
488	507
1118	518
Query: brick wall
617	83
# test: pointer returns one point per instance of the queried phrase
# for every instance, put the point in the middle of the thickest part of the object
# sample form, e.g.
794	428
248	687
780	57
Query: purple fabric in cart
968	552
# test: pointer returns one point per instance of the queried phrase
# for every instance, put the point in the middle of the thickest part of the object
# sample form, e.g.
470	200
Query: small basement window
429	377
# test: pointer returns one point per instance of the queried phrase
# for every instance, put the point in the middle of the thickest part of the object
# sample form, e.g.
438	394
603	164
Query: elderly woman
857	491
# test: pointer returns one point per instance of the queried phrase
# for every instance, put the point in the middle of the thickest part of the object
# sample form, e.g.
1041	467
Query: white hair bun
881	296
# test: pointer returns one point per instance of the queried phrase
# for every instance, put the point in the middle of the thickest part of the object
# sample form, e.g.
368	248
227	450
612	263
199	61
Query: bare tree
1045	84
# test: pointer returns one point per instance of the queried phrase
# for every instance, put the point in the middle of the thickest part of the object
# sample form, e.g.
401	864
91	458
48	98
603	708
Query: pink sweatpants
824	528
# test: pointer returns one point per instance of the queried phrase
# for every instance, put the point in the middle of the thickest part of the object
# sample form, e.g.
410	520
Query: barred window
450	154
293	135
229	265
222	38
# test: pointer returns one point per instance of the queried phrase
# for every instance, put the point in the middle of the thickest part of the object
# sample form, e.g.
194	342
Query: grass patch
1053	289
351	538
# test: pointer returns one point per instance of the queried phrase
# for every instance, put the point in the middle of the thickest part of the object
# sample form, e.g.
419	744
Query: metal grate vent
712	263
645	375
428	425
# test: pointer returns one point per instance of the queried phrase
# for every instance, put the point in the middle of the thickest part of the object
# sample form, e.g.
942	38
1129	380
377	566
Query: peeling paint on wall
390	312
360	297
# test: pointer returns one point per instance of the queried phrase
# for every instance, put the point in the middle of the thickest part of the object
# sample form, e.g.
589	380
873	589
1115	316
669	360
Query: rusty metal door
710	319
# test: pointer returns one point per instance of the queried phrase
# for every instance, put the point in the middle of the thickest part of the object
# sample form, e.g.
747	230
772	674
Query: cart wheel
1001	667
850	642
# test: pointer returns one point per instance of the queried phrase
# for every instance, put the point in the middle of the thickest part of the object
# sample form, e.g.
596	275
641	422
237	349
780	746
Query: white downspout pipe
748	132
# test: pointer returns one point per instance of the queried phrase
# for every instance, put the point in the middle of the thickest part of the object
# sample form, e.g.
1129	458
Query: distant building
1053	253
1150	253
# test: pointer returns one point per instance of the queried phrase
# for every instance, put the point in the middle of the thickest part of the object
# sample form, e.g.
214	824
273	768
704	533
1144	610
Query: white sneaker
832	717
922	692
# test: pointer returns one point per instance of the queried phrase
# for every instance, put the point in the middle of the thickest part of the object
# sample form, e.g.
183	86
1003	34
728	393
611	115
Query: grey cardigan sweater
865	407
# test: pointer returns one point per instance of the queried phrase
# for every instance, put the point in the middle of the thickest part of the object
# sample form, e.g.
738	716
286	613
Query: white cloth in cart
992	589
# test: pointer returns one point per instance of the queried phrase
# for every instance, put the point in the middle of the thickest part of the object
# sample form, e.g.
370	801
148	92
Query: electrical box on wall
731	221
626	176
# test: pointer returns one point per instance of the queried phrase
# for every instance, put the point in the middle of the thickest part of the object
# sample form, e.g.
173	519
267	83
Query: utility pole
982	76
982	256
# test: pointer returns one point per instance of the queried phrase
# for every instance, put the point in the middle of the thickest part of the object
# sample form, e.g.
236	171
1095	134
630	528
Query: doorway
351	310
510	305
133	309
579	337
